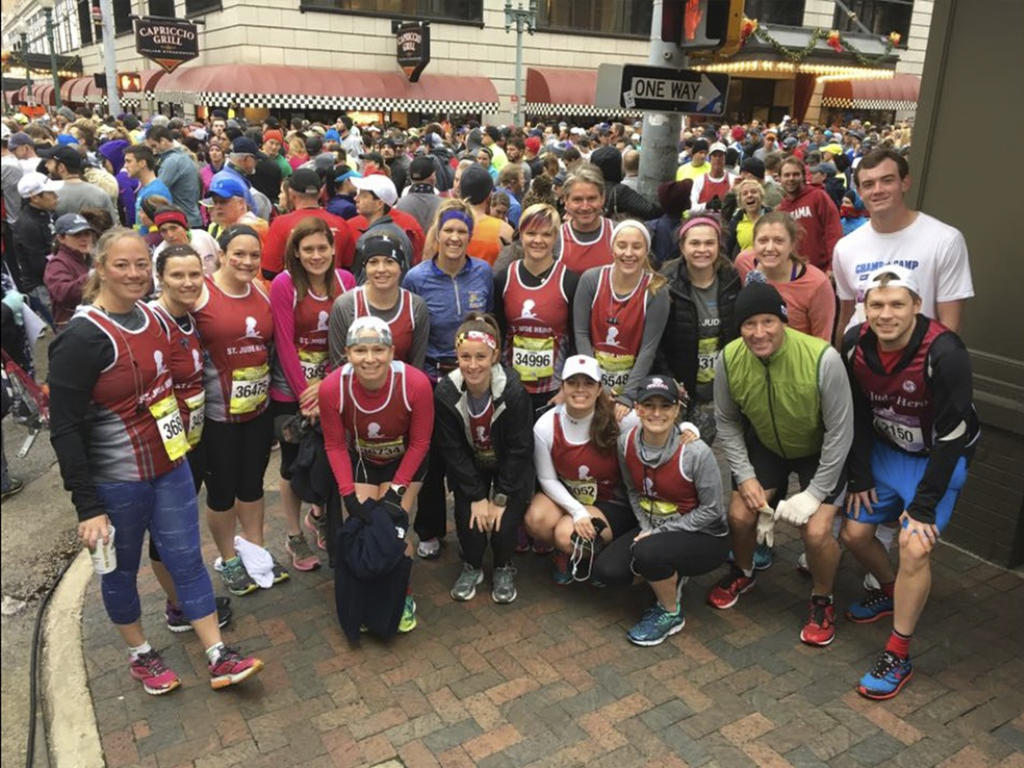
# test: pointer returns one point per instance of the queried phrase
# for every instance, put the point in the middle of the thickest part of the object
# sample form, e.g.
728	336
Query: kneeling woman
577	464
484	427
120	441
675	490
377	414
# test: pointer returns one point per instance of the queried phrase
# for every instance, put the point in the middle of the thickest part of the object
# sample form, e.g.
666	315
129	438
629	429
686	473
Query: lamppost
22	48
522	18
47	6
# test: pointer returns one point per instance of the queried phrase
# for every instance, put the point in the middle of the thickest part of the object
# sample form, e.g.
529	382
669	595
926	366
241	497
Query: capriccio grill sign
168	43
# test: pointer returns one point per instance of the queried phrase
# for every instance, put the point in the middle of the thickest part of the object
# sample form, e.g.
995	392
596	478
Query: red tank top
480	431
617	329
187	370
538	328
579	257
237	332
712	189
590	475
378	434
311	316
402	323
664	490
137	432
902	405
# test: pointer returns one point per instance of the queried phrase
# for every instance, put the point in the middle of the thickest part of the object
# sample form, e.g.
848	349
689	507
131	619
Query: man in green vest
782	405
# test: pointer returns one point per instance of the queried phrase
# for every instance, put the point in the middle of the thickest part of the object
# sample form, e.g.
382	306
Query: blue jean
168	508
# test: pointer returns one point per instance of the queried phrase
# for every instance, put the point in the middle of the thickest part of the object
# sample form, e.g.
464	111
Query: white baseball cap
581	364
380	185
35	183
901	278
717	147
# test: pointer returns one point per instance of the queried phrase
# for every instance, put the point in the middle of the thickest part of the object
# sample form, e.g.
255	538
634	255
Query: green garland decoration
796	56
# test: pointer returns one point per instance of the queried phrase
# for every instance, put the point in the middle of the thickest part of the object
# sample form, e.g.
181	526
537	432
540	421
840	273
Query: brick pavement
552	681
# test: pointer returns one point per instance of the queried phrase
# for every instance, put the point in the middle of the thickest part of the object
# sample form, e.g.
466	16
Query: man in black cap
65	163
242	163
782	405
492	138
421	199
620	200
392	149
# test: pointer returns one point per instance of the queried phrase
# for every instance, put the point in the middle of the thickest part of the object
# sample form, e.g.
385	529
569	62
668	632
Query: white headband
626	223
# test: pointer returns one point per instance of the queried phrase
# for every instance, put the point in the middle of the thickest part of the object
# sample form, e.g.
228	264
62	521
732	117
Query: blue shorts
897	475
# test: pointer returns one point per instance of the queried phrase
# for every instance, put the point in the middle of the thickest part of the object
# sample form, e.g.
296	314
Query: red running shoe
820	628
231	668
156	677
726	593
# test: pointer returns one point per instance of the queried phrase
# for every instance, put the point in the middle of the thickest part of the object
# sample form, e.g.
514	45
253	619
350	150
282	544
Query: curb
72	735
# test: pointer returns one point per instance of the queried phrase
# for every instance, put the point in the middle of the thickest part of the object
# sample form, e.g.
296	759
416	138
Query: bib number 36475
249	387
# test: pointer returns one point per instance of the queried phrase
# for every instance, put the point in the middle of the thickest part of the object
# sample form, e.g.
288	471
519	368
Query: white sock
748	572
213	652
885	534
138	650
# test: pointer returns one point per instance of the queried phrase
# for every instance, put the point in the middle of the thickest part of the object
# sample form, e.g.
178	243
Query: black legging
473	543
658	556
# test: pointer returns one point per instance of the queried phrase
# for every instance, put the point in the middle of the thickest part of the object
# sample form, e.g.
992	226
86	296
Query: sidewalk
551	680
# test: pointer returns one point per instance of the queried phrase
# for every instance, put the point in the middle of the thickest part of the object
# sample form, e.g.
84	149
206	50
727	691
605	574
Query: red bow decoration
833	41
747	29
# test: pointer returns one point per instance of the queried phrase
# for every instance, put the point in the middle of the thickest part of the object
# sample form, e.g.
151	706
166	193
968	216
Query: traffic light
707	26
129	82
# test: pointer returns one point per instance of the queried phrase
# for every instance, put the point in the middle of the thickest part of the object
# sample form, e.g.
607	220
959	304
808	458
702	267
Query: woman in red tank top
577	467
301	298
237	328
120	439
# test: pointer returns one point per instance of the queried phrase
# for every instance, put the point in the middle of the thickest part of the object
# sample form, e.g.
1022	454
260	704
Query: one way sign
660	89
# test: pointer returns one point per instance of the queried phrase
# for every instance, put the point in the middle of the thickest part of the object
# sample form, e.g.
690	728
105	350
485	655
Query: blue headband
463	217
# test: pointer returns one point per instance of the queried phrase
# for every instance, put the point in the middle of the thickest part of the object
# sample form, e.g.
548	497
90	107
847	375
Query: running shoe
820	628
317	525
408	621
503	586
522	540
429	549
562	573
14	487
542	549
231	668
655	625
236	578
886	678
280	574
465	586
763	557
872	607
176	621
303	558
727	592
156	677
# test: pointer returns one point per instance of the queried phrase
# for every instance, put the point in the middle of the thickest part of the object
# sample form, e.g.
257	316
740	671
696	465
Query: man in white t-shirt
896	234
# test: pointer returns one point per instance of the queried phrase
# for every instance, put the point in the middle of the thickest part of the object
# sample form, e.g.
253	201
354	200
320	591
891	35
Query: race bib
533	358
904	431
615	370
172	430
707	353
381	451
249	387
314	364
584	491
196	417
656	507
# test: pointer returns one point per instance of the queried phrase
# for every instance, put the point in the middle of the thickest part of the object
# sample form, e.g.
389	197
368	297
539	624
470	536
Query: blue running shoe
655	625
874	606
763	556
886	678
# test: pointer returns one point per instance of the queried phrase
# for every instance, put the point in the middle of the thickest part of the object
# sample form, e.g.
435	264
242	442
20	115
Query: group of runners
564	386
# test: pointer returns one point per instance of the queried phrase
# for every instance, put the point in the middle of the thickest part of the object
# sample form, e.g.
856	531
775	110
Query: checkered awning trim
837	102
306	101
583	110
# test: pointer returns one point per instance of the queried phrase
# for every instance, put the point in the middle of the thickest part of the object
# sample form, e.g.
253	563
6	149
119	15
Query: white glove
798	509
766	527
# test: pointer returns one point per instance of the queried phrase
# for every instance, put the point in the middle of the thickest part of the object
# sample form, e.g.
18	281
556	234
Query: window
879	16
434	10
85	21
163	8
789	13
122	16
630	18
196	7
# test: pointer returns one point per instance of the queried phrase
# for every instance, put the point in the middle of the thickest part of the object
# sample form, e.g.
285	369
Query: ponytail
604	429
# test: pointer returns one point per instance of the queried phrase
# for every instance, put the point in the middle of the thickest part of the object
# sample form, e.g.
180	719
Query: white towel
257	562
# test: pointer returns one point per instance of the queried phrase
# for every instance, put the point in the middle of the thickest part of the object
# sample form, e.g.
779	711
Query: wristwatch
399	489
499	499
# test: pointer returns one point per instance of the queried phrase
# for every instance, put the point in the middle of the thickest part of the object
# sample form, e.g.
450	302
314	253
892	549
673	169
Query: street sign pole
110	57
659	148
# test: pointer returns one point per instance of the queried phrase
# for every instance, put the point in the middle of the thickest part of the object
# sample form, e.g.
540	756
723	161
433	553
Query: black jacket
626	203
677	353
732	246
33	242
511	435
